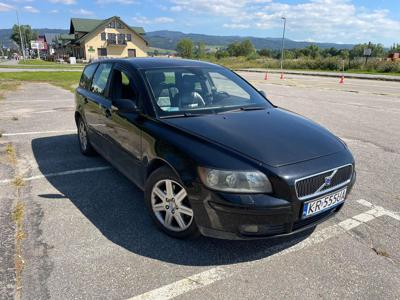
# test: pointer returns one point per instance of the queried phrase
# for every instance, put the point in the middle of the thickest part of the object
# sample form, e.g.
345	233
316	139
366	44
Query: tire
83	139
168	204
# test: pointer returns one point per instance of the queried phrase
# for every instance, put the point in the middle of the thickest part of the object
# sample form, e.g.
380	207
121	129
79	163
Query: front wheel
168	203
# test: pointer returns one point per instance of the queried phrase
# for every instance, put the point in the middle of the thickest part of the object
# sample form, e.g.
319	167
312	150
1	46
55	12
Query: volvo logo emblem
327	181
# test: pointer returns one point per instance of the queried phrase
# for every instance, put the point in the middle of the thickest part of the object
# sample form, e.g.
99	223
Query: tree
234	49
358	50
313	51
246	48
221	54
185	48
201	50
27	35
265	52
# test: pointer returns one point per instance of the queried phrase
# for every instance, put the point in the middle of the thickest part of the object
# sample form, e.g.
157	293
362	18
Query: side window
225	85
163	85
100	79
122	86
87	76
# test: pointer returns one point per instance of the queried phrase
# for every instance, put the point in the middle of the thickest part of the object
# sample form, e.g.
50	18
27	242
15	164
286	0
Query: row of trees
187	49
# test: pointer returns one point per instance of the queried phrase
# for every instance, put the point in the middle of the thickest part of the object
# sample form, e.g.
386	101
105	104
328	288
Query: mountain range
166	39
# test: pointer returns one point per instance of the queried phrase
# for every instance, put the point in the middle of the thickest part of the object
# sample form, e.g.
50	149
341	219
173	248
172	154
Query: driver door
124	126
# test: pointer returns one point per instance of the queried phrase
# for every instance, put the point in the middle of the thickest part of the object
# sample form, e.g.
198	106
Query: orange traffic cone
282	76
266	76
341	79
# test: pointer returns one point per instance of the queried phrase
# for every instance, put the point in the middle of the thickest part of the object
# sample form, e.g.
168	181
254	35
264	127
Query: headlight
235	181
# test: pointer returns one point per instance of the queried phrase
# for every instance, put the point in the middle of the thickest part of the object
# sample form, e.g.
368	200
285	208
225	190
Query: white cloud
54	11
82	12
321	20
66	2
125	2
31	9
176	8
146	21
5	7
236	26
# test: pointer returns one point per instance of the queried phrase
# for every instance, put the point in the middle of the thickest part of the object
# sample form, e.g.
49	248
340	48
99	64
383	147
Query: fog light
250	228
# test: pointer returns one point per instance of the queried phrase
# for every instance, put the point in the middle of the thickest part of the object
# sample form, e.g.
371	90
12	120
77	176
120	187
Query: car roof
155	62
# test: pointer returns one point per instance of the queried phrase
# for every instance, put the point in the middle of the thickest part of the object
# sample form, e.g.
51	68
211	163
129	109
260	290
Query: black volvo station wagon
212	153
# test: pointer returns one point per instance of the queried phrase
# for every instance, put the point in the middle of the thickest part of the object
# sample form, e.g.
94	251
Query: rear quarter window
87	75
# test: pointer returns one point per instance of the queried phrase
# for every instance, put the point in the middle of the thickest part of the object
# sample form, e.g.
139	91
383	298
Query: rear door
124	127
98	108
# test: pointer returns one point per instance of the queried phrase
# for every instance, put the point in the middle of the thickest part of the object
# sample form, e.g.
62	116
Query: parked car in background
212	153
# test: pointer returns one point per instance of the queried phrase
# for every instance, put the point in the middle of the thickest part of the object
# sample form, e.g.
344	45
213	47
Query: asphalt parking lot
86	232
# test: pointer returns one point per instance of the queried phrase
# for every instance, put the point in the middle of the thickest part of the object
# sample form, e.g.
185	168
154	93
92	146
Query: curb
335	75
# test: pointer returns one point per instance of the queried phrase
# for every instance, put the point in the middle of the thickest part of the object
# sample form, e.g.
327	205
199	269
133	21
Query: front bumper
233	216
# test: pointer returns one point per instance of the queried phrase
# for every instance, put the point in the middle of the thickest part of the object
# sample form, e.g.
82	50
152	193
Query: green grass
57	66
65	80
40	62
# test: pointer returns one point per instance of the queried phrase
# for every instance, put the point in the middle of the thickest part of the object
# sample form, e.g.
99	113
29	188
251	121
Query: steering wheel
199	99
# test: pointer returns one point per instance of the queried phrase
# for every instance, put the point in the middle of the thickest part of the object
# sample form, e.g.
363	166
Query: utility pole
283	45
20	36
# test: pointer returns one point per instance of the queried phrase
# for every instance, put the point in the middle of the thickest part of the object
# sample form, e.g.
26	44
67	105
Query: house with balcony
91	39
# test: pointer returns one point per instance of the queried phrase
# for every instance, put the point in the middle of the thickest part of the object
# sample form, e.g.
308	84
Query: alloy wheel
83	135
171	206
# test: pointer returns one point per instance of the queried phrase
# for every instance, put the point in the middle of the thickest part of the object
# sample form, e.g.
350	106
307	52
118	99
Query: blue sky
341	21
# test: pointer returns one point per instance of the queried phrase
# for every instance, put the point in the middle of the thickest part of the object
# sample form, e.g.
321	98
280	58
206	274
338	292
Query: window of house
111	25
103	36
119	25
87	76
102	51
112	38
100	78
129	37
121	38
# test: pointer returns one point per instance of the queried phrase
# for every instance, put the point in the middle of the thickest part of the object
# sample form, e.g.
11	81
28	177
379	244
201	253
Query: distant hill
165	39
168	39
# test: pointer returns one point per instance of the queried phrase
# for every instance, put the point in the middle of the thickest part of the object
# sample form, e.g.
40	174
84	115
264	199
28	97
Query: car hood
275	137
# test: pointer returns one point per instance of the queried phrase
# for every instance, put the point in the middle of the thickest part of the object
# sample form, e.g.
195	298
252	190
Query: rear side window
100	79
87	76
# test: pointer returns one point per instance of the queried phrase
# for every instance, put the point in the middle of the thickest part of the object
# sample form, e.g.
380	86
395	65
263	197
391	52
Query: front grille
309	186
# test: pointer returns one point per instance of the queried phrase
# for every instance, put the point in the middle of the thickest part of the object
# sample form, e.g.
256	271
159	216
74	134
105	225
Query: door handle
85	100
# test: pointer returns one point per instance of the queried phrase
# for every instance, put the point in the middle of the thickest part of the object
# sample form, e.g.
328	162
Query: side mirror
263	93
125	105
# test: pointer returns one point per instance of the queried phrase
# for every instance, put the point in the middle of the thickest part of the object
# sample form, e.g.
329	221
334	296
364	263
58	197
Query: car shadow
116	207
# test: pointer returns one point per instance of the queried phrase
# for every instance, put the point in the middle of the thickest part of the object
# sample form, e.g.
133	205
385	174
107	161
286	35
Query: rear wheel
84	143
168	203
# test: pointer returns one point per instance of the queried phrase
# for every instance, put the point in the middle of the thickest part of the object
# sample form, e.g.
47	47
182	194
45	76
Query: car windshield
191	91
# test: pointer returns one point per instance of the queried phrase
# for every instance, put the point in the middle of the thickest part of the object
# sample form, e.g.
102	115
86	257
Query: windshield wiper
184	115
246	108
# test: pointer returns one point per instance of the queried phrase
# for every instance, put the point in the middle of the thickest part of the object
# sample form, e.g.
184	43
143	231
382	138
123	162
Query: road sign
367	51
37	45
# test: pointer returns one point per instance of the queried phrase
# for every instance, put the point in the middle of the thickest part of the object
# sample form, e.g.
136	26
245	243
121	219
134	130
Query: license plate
319	205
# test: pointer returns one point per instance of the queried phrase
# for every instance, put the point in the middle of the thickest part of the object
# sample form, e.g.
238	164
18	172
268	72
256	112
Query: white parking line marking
380	210
215	274
185	285
70	172
38	132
